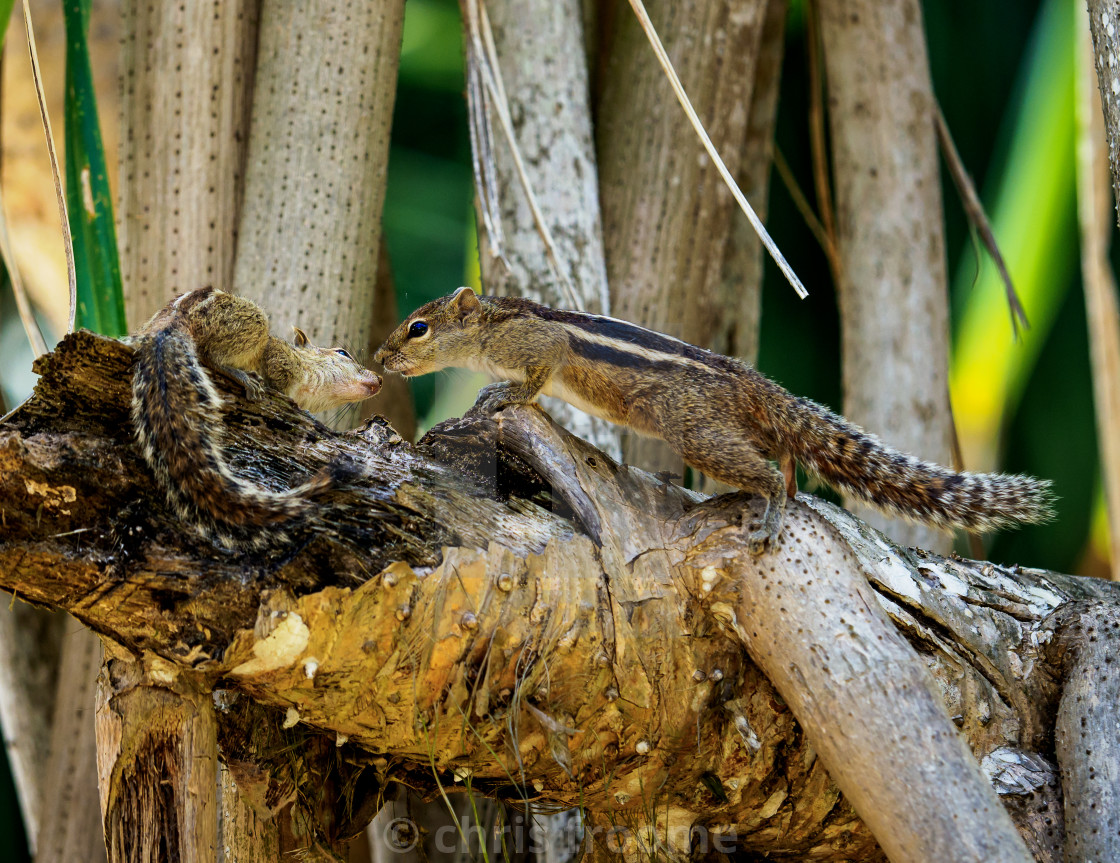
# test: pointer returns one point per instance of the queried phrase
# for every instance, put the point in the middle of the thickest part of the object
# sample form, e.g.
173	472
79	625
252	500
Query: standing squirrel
175	408
719	414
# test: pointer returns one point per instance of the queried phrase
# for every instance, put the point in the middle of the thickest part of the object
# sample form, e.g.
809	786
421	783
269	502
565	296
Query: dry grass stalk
736	192
68	240
484	57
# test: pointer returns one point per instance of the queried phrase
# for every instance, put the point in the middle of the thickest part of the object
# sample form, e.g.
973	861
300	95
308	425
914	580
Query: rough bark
544	71
892	280
244	836
1104	24
313	191
186	77
1086	742
666	211
158	762
186	84
875	663
438	624
311	221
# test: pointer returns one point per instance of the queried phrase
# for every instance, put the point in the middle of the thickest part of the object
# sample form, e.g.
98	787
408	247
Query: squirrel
719	414
175	408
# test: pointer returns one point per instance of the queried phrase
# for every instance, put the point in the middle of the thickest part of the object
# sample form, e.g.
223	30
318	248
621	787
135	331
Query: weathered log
503	606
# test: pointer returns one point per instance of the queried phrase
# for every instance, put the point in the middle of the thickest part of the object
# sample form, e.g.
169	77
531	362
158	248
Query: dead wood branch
503	605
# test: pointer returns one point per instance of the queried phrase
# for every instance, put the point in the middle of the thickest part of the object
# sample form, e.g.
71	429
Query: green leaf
6	7
1033	218
97	267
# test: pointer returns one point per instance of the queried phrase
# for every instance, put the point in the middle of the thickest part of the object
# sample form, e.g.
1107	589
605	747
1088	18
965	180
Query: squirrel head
329	378
439	334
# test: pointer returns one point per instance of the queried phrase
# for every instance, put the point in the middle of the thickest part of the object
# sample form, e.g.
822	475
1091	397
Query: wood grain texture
439	575
892	281
1085	738
831	688
244	835
157	757
667	214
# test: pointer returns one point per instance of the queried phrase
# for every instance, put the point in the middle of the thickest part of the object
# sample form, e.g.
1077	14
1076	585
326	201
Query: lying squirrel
175	408
719	414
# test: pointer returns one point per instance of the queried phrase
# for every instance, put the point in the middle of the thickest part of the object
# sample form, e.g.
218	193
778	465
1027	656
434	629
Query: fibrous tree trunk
504	606
186	84
157	758
892	280
667	215
186	81
318	149
537	81
272	191
543	71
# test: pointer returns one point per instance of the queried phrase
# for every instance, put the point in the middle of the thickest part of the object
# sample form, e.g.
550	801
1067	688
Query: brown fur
719	414
176	409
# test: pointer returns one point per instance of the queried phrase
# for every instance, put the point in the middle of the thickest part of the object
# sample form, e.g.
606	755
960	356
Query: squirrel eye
417	329
343	352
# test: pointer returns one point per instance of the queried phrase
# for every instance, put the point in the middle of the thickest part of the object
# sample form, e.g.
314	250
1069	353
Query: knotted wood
504	607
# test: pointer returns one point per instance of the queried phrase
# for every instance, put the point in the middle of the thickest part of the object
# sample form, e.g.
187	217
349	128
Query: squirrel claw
254	388
493	398
253	385
766	537
760	541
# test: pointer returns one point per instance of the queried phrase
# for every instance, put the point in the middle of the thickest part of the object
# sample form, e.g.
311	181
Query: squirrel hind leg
739	463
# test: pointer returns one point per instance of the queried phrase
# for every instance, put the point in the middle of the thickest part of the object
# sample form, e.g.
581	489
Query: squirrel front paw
493	398
254	387
251	382
760	541
765	538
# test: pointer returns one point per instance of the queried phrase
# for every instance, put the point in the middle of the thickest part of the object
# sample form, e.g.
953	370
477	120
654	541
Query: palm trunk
893	289
667	215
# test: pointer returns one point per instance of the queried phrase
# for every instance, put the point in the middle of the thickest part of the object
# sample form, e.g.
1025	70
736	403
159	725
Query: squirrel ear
464	301
301	337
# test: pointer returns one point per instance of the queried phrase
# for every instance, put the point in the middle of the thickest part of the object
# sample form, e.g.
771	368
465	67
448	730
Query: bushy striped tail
176	418
859	464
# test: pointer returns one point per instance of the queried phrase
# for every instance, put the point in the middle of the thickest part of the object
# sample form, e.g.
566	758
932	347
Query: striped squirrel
719	414
175	408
